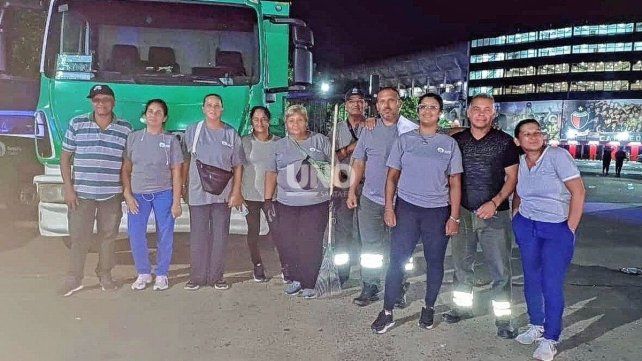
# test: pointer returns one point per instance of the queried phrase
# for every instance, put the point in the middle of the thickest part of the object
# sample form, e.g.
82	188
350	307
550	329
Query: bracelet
495	204
456	220
388	209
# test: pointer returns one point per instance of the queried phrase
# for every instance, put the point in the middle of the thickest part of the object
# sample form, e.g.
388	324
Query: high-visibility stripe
410	265
501	308
463	299
341	259
372	260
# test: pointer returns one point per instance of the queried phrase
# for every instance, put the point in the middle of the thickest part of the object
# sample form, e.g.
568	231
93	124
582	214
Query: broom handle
332	171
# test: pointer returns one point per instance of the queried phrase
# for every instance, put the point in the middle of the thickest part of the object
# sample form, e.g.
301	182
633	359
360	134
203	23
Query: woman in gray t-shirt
424	174
259	148
216	144
300	213
151	175
548	206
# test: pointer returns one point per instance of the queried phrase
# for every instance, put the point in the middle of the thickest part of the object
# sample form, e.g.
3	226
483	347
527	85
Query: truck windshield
152	42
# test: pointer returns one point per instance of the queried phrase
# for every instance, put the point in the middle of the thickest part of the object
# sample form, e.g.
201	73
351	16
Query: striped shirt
98	155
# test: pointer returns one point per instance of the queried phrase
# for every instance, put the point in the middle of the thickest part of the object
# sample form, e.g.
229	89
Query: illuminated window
552	87
637	66
603	48
609	85
487	74
553	69
636	85
487	57
484	89
638	46
556	34
520	89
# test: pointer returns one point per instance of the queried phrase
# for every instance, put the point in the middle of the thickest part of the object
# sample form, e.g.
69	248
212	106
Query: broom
328	279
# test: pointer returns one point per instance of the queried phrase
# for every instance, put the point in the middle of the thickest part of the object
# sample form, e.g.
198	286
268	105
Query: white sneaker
531	335
546	350
161	284
141	282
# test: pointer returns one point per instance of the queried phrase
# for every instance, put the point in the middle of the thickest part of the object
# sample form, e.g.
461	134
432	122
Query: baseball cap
100	89
355	91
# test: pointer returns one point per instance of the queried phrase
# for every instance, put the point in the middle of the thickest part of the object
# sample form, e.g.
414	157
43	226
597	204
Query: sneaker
161	284
382	323
259	273
454	316
505	330
293	288
309	293
142	281
401	301
546	350
369	294
532	334
70	287
191	286
221	285
426	319
107	283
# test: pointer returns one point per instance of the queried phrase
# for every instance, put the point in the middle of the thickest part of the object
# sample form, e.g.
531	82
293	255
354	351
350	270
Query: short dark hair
161	102
260	107
391	88
437	97
213	95
519	125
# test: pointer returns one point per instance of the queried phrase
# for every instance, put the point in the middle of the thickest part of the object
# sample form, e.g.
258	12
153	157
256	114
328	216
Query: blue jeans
416	223
161	204
547	250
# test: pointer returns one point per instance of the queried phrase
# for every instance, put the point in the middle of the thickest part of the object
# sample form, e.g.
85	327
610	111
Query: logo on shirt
226	144
163	145
442	150
312	149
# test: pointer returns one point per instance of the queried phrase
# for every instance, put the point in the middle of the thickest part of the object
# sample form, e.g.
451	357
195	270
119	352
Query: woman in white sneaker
547	209
151	175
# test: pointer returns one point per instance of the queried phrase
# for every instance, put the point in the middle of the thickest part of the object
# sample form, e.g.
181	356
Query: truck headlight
51	193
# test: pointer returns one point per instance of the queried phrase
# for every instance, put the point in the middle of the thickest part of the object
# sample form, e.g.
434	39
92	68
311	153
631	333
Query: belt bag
213	179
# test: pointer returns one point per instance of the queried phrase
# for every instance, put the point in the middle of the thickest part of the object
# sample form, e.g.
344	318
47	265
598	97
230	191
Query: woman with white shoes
151	176
548	206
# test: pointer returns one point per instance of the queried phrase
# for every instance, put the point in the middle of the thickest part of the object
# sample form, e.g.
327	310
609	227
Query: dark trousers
346	232
546	250
605	166
618	167
106	215
416	223
299	240
253	219
209	232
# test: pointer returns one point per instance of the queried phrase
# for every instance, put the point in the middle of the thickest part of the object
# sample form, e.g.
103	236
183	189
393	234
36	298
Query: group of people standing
399	183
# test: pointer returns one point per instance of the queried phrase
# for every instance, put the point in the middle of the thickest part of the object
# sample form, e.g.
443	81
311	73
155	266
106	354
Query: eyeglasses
432	108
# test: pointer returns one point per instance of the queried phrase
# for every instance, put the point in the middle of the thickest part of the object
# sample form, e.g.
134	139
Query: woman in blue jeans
548	206
424	172
151	175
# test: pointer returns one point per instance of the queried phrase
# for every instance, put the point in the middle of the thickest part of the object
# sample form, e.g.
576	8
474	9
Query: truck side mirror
302	63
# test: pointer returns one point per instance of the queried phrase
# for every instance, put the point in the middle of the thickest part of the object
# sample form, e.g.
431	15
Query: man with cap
346	232
95	144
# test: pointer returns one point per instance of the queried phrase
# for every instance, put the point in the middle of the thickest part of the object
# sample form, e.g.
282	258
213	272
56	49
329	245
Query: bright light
622	136
410	265
554	142
325	87
341	259
571	134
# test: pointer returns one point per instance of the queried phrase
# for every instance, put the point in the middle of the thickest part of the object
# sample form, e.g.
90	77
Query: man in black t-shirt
490	159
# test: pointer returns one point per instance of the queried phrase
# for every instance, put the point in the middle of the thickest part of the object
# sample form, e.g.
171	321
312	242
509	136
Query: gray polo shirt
153	156
426	162
221	148
544	196
258	155
345	138
373	147
286	162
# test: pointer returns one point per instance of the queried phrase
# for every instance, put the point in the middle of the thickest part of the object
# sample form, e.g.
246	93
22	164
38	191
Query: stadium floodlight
325	87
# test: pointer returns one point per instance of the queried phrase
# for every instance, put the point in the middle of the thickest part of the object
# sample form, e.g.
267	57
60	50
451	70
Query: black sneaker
505	330
221	285
259	273
382	323
401	301
70	287
369	294
454	316
191	286
107	284
426	319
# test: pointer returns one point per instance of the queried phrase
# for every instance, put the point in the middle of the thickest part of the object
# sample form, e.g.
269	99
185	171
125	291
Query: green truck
175	50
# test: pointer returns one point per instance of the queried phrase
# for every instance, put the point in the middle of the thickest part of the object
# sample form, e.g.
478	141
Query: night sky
355	31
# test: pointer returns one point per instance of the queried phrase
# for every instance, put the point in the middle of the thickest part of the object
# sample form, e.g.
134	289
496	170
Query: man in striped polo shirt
93	191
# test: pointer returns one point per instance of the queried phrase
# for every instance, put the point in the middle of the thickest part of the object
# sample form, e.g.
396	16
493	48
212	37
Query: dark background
355	31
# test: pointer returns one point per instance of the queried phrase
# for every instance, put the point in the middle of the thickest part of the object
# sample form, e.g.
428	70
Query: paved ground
257	321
